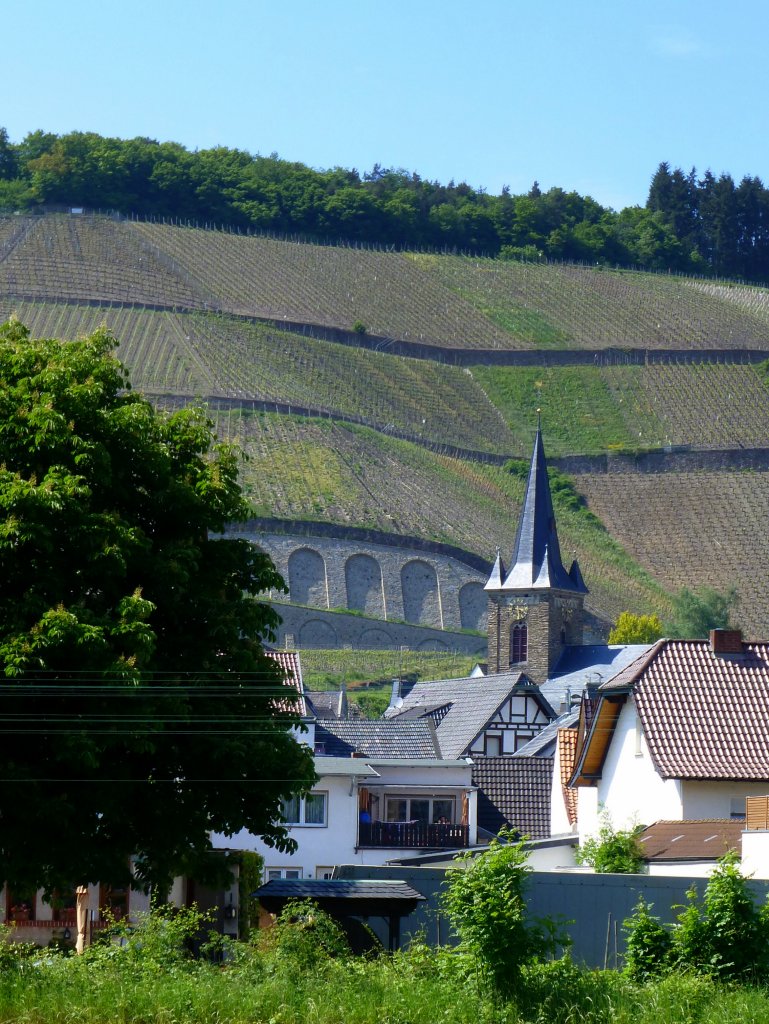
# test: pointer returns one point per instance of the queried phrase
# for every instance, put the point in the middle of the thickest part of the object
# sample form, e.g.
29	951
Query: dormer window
519	643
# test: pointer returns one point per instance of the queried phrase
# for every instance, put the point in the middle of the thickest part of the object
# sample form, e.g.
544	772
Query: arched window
519	643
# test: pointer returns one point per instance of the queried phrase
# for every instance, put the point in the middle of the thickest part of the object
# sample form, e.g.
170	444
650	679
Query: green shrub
304	937
649	942
727	937
249	879
612	851
484	901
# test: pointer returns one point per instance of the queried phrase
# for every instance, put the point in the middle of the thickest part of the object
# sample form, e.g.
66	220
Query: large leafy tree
139	711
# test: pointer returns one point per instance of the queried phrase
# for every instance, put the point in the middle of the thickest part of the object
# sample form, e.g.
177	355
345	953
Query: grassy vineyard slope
451	301
179	300
352	475
706	529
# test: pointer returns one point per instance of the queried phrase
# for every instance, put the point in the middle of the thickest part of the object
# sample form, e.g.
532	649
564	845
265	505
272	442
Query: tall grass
151	979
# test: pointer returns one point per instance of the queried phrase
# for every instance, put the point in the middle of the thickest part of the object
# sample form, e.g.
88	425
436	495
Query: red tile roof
567	756
704	716
292	674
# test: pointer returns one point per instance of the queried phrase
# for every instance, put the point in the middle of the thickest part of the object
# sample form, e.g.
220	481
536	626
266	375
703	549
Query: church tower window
519	643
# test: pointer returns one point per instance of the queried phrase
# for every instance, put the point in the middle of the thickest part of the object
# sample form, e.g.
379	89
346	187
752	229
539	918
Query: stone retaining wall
409	583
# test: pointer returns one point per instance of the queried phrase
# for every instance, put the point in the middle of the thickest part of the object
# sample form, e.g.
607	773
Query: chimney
726	641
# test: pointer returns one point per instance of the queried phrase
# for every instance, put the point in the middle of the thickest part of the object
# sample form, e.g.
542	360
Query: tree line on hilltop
707	225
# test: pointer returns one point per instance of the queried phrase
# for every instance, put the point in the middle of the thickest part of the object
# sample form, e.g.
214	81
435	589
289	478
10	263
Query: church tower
536	608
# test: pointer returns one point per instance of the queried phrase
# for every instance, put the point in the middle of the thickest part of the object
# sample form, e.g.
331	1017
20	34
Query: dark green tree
696	612
140	712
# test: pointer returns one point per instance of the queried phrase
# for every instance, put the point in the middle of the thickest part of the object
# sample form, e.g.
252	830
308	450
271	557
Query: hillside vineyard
388	390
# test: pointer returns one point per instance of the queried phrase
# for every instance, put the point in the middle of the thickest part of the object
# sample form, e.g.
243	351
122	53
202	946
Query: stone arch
307	578
363	579
421	604
473	606
432	644
374	639
318	633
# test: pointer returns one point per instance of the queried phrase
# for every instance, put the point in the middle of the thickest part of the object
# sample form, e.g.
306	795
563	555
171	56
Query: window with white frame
324	871
306	810
279	873
493	744
426	809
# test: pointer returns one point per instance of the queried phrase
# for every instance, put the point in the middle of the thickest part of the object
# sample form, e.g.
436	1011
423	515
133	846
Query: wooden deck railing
412	835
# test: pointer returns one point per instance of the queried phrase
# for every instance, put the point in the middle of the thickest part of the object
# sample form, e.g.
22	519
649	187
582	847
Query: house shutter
757	812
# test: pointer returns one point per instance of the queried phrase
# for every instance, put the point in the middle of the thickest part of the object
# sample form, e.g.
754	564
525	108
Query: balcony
412	835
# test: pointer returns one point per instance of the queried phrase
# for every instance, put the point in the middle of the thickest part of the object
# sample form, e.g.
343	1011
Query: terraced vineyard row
86	258
569	306
208	354
327	471
154	345
708	405
433	299
704	529
586	409
326	285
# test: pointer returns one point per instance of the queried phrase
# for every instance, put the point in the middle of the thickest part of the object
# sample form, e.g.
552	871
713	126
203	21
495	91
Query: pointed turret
497	574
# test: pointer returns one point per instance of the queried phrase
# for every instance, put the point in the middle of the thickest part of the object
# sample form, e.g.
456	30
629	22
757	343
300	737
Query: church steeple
536	562
535	608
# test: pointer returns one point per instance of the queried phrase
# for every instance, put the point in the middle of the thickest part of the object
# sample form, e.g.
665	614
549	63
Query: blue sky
589	96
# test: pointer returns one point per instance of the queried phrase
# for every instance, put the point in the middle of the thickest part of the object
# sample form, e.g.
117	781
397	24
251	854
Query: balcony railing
417	835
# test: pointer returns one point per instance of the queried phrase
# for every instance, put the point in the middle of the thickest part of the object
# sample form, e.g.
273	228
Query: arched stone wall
473	606
317	633
307	578
432	645
372	639
421	602
363	579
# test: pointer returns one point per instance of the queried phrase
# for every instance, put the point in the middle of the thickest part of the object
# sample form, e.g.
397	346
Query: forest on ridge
708	225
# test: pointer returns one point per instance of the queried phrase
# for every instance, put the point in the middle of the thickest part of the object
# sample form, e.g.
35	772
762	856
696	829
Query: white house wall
318	845
630	788
755	853
685	869
718	799
323	846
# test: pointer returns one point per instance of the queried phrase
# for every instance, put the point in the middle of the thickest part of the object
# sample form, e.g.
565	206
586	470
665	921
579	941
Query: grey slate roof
473	702
588	665
383	738
338	888
543	744
536	563
514	792
327	703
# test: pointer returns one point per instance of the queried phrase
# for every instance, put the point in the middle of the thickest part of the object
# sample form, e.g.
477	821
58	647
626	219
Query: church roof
537	563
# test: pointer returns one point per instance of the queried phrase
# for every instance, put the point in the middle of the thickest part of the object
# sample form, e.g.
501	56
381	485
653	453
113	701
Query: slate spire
536	562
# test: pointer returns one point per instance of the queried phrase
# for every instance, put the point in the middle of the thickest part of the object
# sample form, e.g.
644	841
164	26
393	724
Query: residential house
383	787
678	735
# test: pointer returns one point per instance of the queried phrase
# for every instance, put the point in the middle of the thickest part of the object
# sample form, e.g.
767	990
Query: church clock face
520	611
